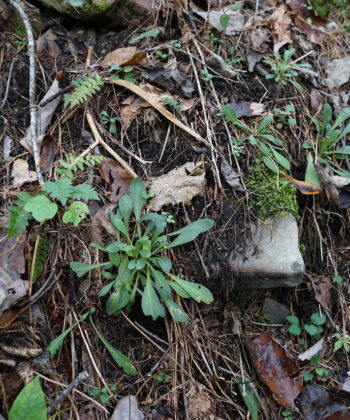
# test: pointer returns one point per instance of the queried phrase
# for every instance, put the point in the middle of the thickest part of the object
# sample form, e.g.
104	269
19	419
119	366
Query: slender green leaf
344	150
125	208
269	163
138	196
197	292
176	312
326	115
342	116
250	399
161	284
163	263
150	302
179	290
311	174
119	224
149	34
190	232
81	269
283	161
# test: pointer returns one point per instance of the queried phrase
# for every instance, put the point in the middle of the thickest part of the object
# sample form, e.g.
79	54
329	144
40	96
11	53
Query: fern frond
85	88
84	192
77	162
17	217
60	189
39	258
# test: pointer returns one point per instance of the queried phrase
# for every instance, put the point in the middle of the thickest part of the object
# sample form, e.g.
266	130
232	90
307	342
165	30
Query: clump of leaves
313	328
137	257
173	103
285	116
260	136
342	342
284	70
272	196
126	72
326	149
74	163
206	76
109	121
320	372
103	394
85	88
213	41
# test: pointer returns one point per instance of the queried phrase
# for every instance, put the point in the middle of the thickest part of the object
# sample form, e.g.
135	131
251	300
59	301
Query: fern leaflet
39	258
61	189
17	217
84	89
84	192
77	162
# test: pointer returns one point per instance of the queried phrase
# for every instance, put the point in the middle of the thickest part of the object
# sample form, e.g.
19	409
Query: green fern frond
61	189
85	88
39	259
84	192
17	217
75	163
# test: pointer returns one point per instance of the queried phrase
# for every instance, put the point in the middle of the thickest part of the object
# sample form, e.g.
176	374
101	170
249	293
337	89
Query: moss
20	28
272	196
91	8
324	7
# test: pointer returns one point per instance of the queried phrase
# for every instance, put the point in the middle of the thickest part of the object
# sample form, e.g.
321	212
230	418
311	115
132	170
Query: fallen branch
32	86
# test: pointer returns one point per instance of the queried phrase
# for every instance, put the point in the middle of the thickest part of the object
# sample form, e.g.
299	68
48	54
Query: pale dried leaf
177	186
236	22
12	288
231	176
220	65
338	72
119	56
21	173
279	22
312	351
7	146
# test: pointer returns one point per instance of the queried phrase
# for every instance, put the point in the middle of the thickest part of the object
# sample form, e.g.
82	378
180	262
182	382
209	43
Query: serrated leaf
150	302
190	232
61	189
30	403
197	292
176	312
75	213
84	192
81	269
41	208
250	399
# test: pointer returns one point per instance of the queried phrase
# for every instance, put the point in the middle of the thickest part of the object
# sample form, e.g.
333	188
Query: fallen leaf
47	41
137	58
119	57
338	72
12	288
336	186
44	116
304	187
102	220
235	24
117	177
231	176
253	58
177	186
323	287
21	174
274	369
219	64
48	152
315	100
7	147
279	22
200	403
318	348
12	251
247	109
260	39
171	80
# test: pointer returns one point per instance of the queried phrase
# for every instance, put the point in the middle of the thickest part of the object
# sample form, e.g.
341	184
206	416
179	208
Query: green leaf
326	115
161	284
345	150
281	159
265	122
229	113
178	289
138	196
119	224
338	345
125	208
197	292
41	208
55	344
315	359
149	34
311	173
318	319
17	218
250	399
190	232
121	360
30	403
342	116
311	329
270	164
163	263
117	300
292	319
84	192
81	269
150	302
224	21
294	329
61	189
308	376
176	312
75	213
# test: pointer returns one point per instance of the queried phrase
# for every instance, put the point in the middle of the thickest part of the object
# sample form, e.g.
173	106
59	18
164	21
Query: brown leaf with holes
304	187
323	289
117	177
274	369
279	22
48	152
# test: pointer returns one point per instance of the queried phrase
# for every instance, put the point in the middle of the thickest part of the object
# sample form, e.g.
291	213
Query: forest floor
203	369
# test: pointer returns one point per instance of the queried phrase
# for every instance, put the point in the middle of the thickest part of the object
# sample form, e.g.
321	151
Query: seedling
313	328
172	103
161	55
343	342
214	41
104	394
234	57
260	136
137	265
287	415
128	76
162	377
285	116
106	119
284	70
338	279
149	34
206	76
318	371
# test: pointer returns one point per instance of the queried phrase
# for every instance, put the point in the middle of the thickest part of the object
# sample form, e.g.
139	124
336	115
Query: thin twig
8	84
32	86
81	377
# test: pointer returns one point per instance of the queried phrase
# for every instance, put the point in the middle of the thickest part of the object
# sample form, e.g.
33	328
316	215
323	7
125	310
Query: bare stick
81	377
32	86
8	83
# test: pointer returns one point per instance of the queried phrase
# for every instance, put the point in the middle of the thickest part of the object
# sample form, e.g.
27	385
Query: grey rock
127	409
338	72
271	258
275	312
108	12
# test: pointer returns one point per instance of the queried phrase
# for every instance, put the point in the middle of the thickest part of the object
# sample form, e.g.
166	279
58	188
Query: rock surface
127	409
109	12
271	258
275	312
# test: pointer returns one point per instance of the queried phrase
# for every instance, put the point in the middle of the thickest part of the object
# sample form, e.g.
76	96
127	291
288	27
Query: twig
32	86
8	83
81	377
99	139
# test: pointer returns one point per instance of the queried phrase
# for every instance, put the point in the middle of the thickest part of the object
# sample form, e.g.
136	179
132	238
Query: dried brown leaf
21	174
119	57
279	22
117	177
48	152
231	176
12	251
304	187
323	289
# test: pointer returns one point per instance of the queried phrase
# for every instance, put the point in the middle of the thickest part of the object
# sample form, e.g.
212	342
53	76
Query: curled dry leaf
247	109
102	220
21	174
279	22
48	152
318	348
174	81
117	177
177	186
235	24
231	176
220	65
304	187
337	187
12	288
123	57
274	369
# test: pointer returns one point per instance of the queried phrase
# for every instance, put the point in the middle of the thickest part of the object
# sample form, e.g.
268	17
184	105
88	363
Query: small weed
234	57
313	328
319	372
106	119
338	279
172	103
162	377
206	76
161	55
287	415
103	394
283	70
21	44
149	34
285	116
323	8
214	41
129	75
343	342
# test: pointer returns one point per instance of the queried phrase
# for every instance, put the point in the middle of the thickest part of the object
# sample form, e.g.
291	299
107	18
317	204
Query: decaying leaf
235	24
304	187
253	58
7	146
219	64
121	57
338	72
173	81
274	369
315	100
247	109
231	176
337	187
48	152
12	252
21	174
318	348
279	22
117	177
102	220
200	404
12	288
177	186
323	287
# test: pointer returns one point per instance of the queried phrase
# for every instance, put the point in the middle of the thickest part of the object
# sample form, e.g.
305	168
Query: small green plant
284	70
323	8
234	58
318	371
338	279
161	54
213	40
313	328
260	136
285	116
173	103
137	257
109	121
162	377
206	76
129	75
326	148
287	415
21	44
272	196
342	342
149	34
104	394
85	88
